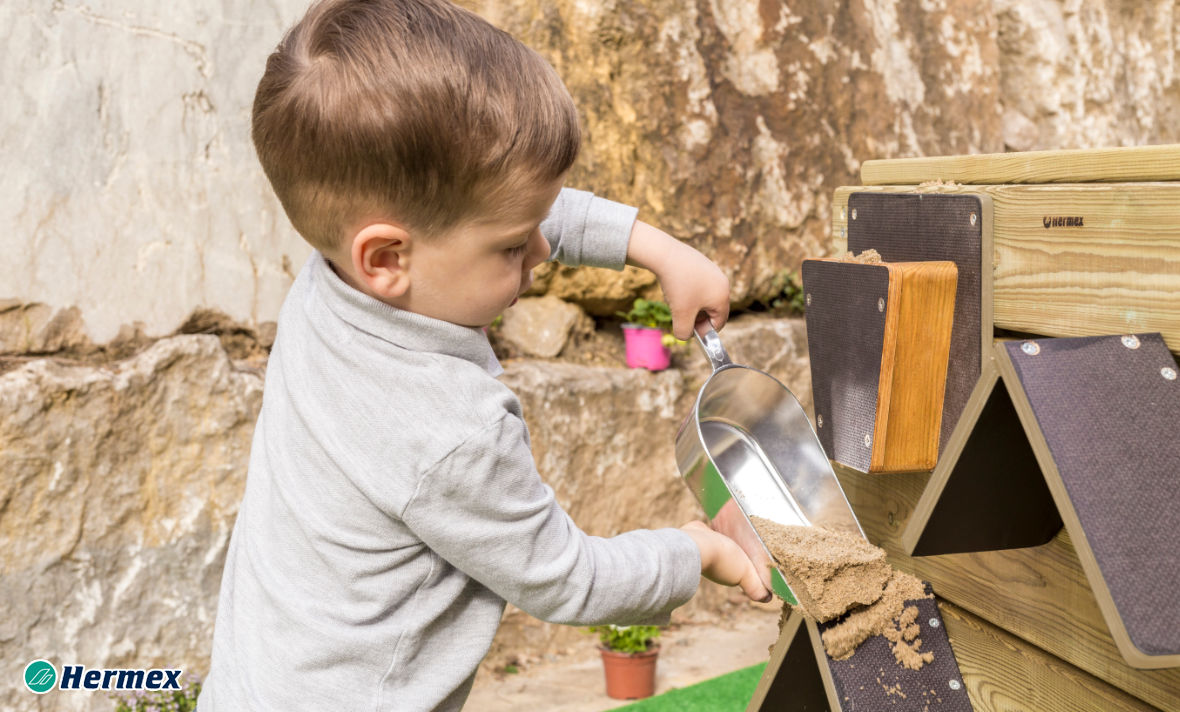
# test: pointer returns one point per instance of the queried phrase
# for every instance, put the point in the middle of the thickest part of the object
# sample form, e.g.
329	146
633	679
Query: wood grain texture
922	343
1004	673
1040	594
1116	273
1136	163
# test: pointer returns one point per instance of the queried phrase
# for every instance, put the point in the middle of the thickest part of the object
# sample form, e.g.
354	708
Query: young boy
392	505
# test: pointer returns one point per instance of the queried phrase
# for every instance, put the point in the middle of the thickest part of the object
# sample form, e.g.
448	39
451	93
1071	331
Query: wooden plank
1040	594
1135	163
1116	273
1003	672
923	342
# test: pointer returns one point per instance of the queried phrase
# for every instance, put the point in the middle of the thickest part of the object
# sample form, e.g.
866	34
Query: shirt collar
401	328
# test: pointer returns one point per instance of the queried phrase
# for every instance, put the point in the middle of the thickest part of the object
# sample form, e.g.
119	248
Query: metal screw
1131	341
881	304
819	421
955	684
854	213
843	232
1031	348
868	440
843	213
1168	373
973	218
933	622
809	299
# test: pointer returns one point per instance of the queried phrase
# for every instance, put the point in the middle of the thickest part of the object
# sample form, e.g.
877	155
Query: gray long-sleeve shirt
392	506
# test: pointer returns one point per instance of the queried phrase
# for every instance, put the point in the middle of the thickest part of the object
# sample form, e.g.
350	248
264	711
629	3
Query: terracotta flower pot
630	676
645	347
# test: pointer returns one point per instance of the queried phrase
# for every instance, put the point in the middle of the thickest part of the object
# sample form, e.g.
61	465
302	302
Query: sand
834	573
868	257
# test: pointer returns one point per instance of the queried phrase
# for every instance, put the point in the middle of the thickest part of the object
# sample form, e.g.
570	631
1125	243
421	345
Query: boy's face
470	275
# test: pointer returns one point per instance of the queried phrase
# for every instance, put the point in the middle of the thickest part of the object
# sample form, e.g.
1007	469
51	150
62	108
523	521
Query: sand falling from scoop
834	573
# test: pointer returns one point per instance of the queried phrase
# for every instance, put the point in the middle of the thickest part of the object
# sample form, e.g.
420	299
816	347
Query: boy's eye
518	249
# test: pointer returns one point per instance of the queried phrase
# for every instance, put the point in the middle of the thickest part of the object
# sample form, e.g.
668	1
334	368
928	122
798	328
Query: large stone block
119	485
120	482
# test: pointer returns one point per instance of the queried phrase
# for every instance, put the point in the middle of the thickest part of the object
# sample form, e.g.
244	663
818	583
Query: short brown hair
415	109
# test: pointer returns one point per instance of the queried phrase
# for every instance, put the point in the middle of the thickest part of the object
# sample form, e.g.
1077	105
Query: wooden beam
1039	594
1109	262
1138	163
1003	672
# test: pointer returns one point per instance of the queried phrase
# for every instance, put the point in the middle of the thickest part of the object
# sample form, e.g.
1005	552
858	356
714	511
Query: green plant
182	700
626	638
649	312
786	293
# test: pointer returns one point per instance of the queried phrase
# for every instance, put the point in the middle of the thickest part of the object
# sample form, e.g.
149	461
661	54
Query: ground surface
690	653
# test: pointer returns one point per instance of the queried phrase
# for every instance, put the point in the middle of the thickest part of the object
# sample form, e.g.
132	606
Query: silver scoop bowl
747	449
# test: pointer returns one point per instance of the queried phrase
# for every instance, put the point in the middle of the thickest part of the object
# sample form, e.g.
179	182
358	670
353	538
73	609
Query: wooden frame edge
1110	614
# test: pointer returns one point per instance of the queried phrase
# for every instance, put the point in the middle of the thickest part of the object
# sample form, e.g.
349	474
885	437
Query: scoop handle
714	351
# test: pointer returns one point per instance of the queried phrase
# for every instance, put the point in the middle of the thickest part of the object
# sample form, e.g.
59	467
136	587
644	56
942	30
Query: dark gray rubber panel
1112	422
914	227
872	680
845	334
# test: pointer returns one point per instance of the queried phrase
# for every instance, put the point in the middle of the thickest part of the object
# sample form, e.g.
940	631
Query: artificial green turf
721	694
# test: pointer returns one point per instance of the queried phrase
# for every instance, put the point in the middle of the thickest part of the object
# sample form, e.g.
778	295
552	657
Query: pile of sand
868	257
834	573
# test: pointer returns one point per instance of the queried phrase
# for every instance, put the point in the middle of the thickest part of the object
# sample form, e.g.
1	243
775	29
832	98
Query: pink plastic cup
645	347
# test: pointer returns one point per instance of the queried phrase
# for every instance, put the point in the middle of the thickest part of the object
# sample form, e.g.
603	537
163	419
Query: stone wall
131	202
122	481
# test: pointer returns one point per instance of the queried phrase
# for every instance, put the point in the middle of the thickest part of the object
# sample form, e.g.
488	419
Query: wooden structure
1048	527
896	317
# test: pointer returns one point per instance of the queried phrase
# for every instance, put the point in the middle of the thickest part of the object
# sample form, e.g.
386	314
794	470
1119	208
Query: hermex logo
40	676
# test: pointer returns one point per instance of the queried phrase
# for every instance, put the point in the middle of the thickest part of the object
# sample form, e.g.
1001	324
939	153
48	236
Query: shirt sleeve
583	229
486	511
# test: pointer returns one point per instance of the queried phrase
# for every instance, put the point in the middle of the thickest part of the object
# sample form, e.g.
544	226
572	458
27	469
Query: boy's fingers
753	587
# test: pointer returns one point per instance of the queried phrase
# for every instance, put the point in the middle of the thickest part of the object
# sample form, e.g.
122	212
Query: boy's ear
381	259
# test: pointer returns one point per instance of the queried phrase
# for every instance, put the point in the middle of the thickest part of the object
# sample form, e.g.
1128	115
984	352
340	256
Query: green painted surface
716	493
779	584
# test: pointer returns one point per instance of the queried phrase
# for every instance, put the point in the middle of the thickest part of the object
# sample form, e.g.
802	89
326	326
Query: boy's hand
724	562
691	282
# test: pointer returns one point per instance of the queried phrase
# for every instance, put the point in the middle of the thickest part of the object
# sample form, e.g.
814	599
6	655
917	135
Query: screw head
1131	341
819	421
843	212
974	218
854	213
933	622
955	684
843	232
1031	348
881	304
868	440
1168	372
809	299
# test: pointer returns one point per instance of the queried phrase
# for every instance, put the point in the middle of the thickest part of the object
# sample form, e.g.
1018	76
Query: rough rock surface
121	481
541	326
730	123
727	123
120	486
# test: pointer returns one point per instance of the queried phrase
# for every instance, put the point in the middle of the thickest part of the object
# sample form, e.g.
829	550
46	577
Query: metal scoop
748	449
